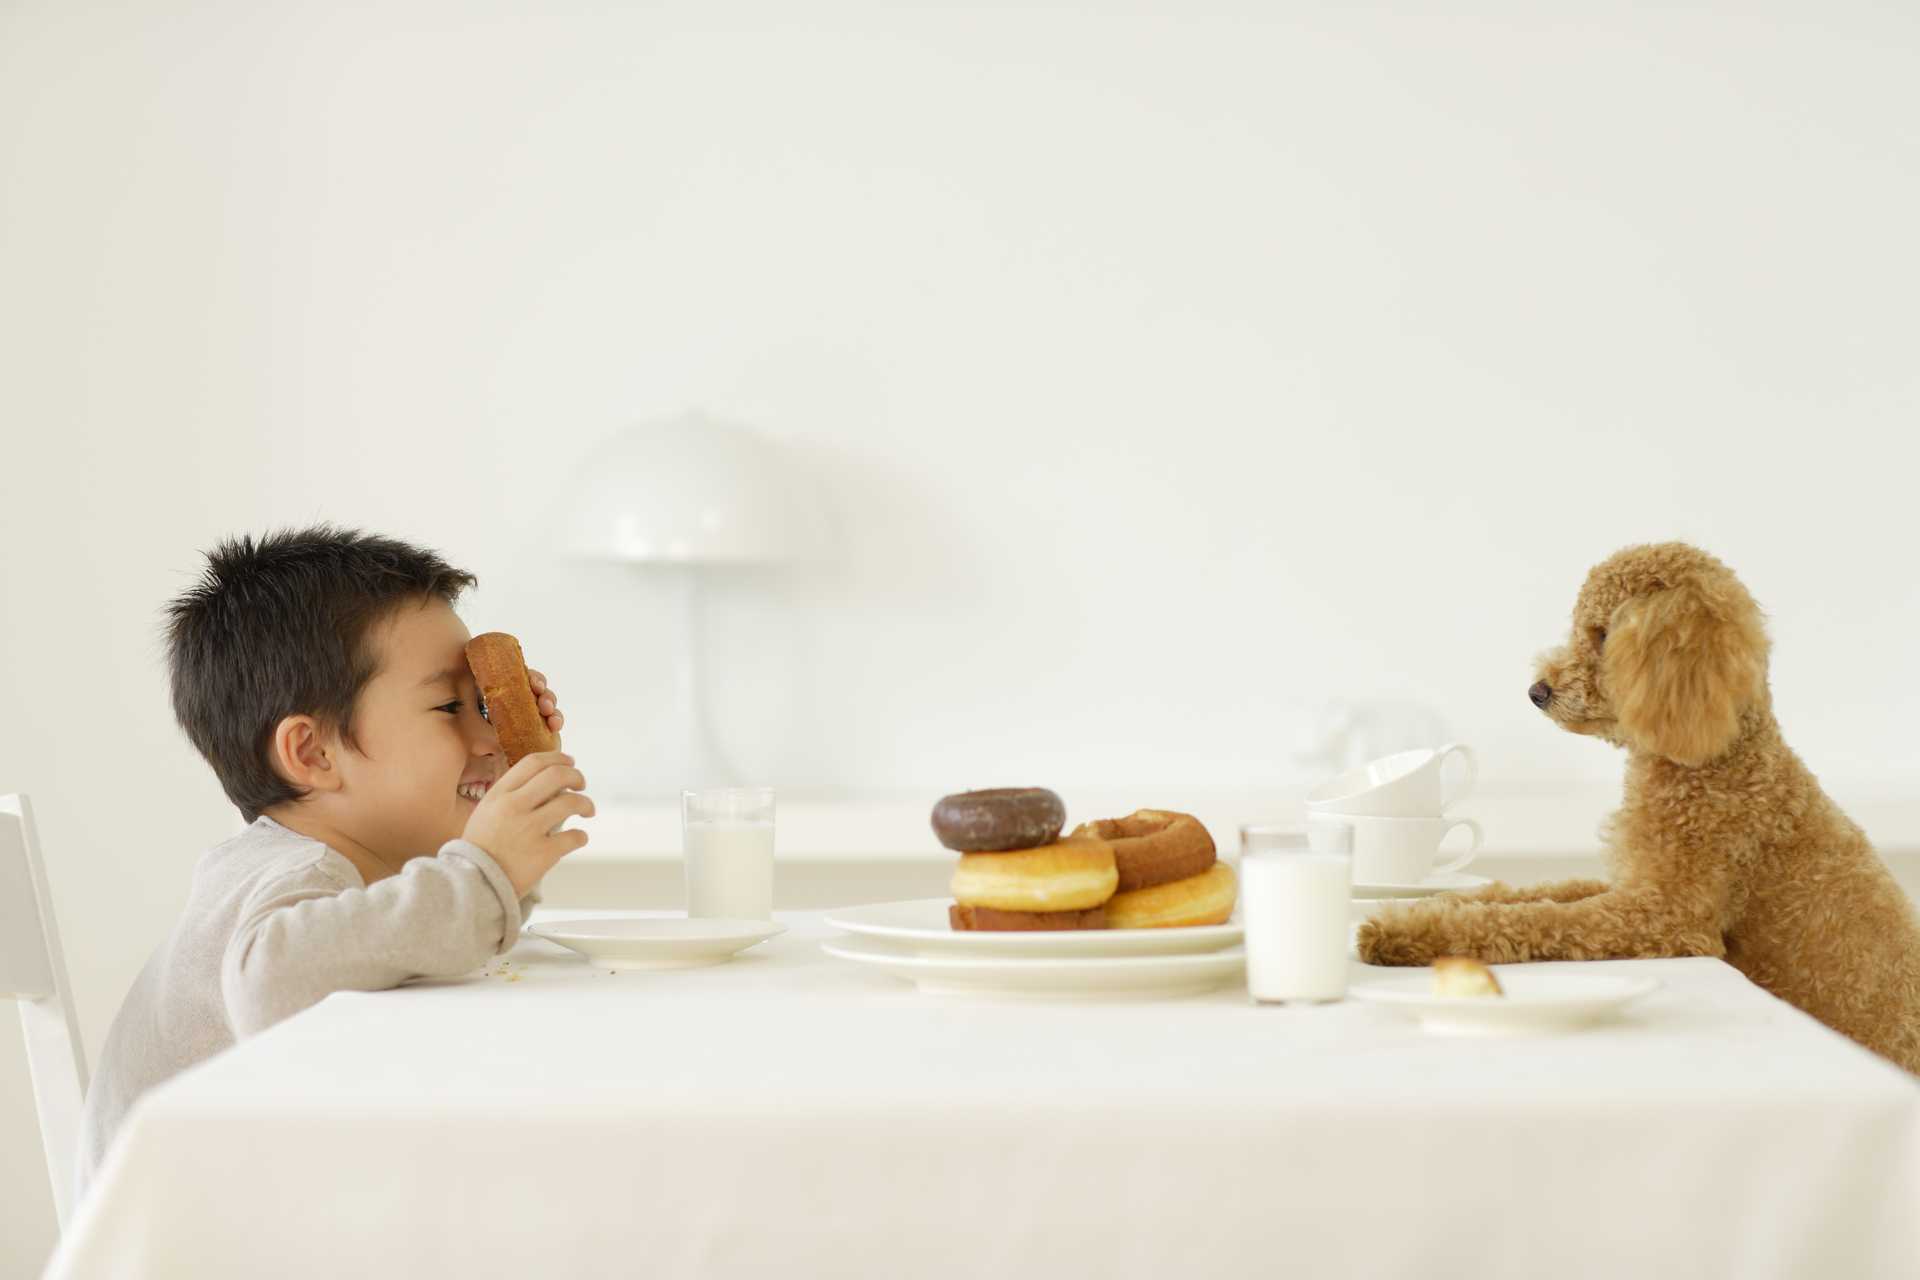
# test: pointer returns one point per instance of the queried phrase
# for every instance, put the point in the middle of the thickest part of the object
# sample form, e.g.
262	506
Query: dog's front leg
1559	891
1619	924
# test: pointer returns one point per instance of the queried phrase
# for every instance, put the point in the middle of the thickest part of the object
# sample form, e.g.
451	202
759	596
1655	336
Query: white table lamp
692	493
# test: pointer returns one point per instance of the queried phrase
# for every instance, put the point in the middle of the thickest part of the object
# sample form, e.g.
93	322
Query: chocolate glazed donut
998	820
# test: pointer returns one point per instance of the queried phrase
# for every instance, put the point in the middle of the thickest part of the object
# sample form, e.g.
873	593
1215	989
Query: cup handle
1465	856
1473	773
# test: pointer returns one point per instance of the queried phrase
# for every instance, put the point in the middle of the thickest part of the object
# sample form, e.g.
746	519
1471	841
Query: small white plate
1439	882
920	926
623	942
1078	977
1536	1003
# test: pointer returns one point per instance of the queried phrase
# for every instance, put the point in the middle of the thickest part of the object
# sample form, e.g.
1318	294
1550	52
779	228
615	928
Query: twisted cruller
501	673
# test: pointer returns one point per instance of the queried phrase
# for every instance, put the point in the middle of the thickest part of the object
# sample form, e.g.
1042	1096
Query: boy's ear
1680	666
303	755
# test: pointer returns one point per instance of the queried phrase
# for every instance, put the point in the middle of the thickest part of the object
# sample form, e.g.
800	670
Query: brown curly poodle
1725	844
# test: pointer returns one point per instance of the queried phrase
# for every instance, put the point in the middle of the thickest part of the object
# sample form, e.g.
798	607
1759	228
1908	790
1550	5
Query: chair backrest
33	971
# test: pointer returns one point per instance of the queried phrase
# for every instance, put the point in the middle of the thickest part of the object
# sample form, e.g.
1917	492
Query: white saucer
1439	882
1536	1003
622	942
1078	977
920	927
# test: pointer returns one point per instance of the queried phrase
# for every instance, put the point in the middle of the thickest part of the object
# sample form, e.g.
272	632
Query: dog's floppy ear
1680	666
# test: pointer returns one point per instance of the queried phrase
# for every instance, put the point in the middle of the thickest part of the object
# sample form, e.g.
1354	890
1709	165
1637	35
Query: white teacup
1403	785
1398	851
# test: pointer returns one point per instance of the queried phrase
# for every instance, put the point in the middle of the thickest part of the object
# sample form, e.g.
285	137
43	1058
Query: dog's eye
1598	635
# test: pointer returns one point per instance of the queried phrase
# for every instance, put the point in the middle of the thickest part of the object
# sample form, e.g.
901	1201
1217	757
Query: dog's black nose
1541	694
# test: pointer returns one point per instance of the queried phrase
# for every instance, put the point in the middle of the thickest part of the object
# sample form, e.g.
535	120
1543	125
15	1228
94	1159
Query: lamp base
701	763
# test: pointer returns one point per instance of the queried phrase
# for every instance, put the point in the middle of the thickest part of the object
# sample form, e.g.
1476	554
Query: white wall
1169	373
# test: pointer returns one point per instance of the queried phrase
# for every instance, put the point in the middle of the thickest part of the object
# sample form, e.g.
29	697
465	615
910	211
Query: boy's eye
451	708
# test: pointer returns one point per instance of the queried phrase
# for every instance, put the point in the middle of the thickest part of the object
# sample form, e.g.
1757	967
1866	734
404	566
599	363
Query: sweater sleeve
299	939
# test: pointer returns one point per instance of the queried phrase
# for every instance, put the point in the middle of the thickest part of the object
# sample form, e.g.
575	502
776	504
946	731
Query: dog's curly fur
1725	844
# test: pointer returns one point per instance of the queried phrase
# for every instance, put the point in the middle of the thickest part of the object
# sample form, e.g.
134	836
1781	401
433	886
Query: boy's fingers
550	782
546	704
565	804
555	720
537	680
530	766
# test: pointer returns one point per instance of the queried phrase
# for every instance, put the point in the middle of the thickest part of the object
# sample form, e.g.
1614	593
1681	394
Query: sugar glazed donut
998	820
1154	846
1073	875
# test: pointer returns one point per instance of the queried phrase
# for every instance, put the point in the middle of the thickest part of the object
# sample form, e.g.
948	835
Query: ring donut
1207	898
1153	846
992	919
998	820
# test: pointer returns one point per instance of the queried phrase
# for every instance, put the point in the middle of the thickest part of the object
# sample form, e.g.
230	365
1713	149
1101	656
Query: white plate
1078	977
1536	1003
622	942
1440	882
920	926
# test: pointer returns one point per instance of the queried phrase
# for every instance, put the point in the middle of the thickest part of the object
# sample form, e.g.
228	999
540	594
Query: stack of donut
1151	869
1169	872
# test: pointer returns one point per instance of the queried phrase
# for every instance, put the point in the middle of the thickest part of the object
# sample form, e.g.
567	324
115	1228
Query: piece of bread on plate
1464	976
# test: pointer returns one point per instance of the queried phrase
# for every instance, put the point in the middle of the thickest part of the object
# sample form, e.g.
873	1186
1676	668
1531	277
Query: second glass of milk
727	840
1295	903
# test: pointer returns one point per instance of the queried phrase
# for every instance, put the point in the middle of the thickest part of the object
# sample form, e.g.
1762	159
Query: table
790	1112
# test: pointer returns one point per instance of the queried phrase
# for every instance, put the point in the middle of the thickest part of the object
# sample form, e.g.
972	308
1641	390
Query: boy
322	673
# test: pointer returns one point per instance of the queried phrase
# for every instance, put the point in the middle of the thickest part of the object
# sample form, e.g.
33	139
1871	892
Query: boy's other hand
518	820
547	700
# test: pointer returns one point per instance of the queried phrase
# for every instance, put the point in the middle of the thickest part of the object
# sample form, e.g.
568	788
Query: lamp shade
691	490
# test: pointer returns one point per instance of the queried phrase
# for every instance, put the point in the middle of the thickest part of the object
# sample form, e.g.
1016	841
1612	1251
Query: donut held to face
500	670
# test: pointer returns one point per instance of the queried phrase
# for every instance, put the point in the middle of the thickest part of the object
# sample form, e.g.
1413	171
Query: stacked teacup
1390	815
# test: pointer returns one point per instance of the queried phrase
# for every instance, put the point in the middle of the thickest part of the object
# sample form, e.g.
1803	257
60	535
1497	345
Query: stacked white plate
1438	882
913	941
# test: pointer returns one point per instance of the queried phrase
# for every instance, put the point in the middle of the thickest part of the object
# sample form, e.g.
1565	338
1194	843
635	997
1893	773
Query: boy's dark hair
279	627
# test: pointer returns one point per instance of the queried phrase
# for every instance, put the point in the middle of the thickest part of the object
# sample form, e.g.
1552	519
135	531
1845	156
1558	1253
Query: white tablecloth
790	1112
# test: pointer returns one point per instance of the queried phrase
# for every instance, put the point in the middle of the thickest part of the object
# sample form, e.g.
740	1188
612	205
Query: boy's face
421	737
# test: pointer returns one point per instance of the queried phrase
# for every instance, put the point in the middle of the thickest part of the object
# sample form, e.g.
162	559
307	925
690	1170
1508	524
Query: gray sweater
276	921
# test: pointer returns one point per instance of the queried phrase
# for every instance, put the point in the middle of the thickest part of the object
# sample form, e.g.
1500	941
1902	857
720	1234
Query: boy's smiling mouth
474	791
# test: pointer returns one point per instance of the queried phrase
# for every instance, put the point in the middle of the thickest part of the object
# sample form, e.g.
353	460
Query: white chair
34	972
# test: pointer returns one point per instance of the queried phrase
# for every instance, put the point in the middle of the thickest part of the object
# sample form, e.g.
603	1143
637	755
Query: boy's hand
519	818
548	702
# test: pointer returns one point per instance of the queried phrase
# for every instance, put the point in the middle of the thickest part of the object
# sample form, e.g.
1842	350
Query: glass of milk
727	839
1294	907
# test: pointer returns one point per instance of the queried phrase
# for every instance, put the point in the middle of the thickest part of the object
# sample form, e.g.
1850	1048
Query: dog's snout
1540	694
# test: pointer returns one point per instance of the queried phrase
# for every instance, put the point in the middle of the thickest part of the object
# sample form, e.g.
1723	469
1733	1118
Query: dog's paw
1392	942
